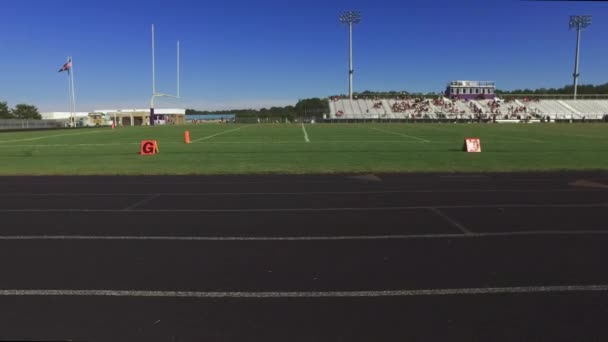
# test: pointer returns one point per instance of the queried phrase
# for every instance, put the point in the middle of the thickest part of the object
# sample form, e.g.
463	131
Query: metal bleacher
556	109
551	108
589	108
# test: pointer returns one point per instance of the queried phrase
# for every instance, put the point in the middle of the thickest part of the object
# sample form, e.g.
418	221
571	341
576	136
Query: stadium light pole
350	18
578	22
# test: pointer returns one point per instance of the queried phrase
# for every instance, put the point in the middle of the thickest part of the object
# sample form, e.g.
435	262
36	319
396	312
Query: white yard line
220	133
400	134
51	136
305	133
306	294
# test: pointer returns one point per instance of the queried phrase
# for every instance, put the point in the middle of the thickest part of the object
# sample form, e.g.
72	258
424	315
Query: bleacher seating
410	108
589	108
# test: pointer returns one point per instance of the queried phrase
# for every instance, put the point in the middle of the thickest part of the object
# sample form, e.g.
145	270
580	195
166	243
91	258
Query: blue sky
240	54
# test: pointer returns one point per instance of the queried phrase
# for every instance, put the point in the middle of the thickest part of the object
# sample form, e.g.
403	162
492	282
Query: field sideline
309	148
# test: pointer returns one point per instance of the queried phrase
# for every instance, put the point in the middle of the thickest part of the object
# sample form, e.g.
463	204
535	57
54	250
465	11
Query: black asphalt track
395	257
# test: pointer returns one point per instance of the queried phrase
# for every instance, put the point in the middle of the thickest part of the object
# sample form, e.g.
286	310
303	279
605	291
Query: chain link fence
24	124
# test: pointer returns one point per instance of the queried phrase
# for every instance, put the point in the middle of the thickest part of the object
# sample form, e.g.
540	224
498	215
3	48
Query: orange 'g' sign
148	147
472	145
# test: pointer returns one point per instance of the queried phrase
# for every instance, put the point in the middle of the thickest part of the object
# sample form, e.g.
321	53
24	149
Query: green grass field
281	148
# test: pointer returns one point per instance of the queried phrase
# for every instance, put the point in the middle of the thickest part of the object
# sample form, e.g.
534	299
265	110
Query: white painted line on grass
71	145
305	133
452	221
220	133
522	139
53	136
400	134
301	238
323	209
306	294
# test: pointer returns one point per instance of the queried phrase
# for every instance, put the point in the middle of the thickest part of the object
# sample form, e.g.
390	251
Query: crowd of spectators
481	110
418	107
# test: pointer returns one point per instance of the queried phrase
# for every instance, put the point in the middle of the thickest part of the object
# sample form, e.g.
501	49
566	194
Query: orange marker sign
187	137
472	145
148	147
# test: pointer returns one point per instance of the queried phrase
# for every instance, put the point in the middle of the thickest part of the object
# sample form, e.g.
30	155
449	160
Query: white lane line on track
305	133
300	193
254	210
220	133
400	134
52	136
146	200
300	238
307	294
453	222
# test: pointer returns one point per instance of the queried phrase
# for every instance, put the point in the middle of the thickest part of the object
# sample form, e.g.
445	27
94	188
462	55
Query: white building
139	117
122	117
81	118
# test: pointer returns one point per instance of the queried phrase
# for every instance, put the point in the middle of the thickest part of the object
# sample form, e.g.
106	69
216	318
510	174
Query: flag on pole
67	66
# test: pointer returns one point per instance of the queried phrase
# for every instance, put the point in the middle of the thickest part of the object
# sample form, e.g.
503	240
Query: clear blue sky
241	53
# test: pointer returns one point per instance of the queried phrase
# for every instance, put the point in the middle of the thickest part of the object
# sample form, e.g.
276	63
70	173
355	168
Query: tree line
316	107
583	89
21	111
313	107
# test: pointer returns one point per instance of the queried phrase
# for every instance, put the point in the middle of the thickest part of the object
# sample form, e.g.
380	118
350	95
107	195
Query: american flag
67	66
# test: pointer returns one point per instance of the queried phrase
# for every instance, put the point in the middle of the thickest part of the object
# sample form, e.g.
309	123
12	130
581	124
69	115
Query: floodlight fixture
350	17
578	22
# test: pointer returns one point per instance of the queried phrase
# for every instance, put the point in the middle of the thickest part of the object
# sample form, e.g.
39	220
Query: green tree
312	107
5	112
25	111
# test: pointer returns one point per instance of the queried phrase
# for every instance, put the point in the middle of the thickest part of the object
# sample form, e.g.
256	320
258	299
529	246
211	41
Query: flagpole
73	93
69	94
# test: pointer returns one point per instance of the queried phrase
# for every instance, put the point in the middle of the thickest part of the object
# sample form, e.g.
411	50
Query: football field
306	148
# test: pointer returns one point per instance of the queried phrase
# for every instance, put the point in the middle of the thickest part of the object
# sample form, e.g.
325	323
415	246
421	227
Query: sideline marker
187	137
472	145
148	147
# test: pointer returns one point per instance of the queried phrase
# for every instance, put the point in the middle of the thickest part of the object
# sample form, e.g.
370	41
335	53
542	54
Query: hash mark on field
50	136
215	135
305	133
400	134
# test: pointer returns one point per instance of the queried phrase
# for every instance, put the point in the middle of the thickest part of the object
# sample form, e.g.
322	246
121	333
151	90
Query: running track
410	257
